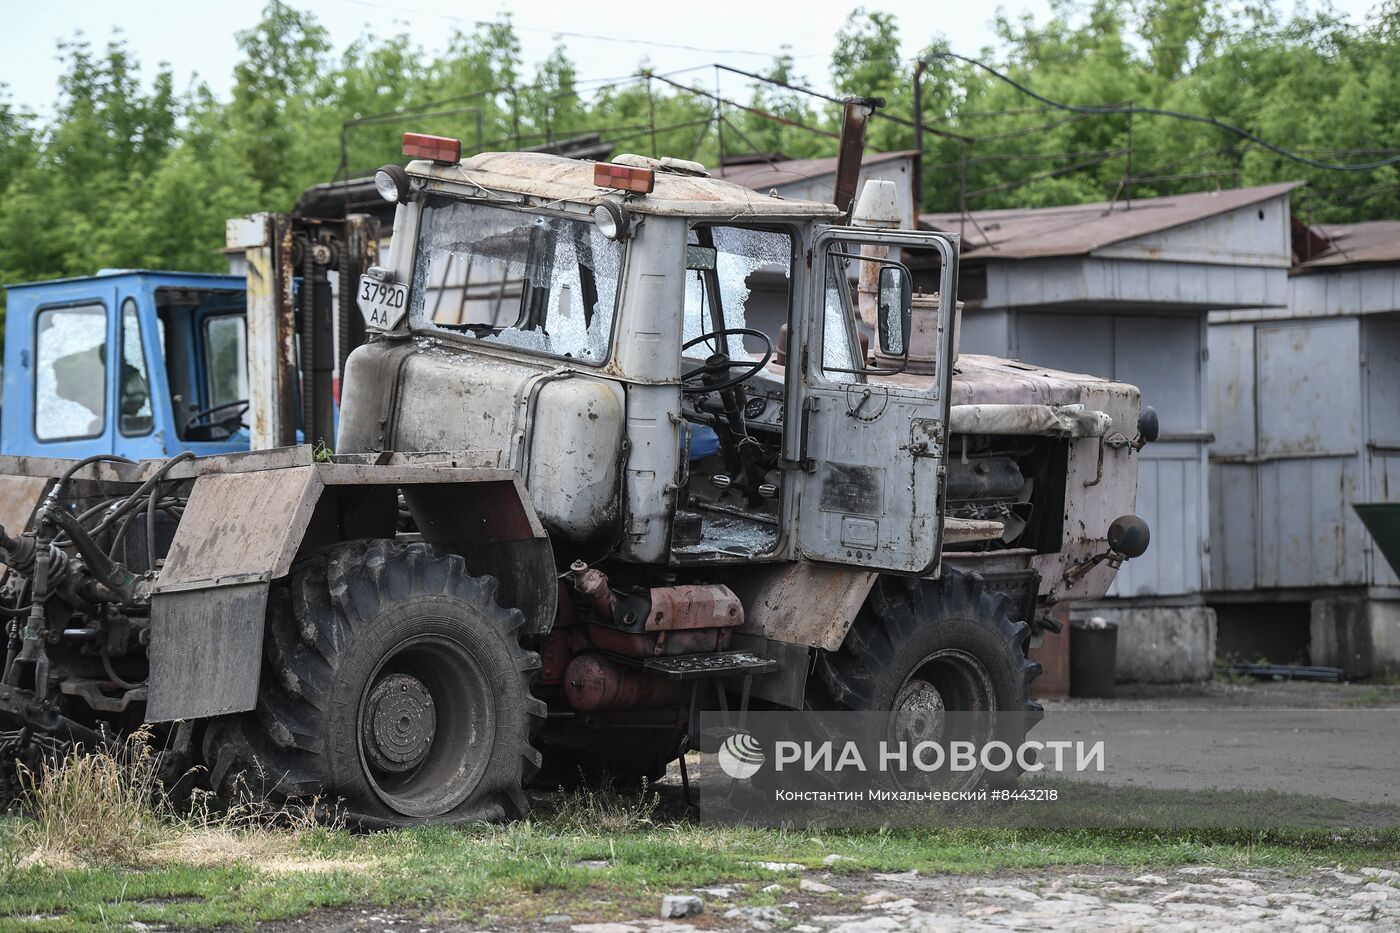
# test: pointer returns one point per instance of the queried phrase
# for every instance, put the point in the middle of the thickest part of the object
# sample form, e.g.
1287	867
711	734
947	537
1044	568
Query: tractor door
63	391
870	436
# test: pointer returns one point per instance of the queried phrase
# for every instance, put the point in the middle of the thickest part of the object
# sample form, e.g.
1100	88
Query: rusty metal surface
803	603
272	350
205	651
1026	233
855	114
239	526
553	178
692	606
1377	241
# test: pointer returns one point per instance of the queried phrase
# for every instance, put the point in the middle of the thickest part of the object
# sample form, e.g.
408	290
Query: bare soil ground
1182	899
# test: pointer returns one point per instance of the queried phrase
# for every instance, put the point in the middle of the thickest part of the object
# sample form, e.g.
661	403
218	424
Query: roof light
624	177
391	182
441	149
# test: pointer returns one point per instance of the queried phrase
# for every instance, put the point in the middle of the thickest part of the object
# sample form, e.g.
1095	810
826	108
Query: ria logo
740	756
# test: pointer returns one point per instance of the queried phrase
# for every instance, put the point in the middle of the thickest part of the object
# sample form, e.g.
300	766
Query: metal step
716	664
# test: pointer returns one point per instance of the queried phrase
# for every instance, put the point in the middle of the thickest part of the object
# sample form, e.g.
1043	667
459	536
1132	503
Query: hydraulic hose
107	571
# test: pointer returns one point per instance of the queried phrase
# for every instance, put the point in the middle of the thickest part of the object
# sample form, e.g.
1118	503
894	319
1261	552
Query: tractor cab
673	362
133	363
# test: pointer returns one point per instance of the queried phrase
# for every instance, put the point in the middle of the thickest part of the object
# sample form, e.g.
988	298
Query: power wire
1176	115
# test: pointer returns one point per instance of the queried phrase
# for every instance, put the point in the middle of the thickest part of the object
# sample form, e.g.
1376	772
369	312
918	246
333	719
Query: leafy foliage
128	173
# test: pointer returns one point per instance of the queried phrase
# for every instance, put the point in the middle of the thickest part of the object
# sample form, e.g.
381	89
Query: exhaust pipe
854	118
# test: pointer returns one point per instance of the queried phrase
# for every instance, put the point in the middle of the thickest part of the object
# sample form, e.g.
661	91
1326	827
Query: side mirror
895	302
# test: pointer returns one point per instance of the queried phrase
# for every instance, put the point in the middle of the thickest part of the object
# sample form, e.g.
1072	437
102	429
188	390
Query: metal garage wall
1287	405
1309	445
1233	529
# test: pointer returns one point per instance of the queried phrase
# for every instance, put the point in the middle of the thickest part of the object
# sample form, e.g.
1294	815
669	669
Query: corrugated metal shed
1306	414
1189	253
1123	292
1079	229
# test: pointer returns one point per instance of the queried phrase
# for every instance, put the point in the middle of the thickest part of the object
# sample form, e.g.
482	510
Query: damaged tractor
626	443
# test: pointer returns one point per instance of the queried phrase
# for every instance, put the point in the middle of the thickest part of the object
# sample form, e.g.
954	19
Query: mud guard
242	530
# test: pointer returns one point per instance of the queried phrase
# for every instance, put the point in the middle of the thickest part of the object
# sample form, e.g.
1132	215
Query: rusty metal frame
266	242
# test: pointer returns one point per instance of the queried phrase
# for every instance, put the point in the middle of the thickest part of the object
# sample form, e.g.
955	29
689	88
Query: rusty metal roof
763	175
1376	241
554	178
1078	229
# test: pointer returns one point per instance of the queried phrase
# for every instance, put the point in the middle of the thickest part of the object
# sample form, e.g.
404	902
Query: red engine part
693	606
651	644
594	585
594	682
686	619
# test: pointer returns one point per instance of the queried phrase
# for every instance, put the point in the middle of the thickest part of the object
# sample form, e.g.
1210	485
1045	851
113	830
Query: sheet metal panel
1232	390
206	651
1233	526
1169	499
1254	235
1075	343
1162	357
1309	388
1308	533
986	332
1132	286
240	525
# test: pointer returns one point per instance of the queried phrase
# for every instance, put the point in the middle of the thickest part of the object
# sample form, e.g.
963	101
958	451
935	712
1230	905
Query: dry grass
99	807
110	807
605	810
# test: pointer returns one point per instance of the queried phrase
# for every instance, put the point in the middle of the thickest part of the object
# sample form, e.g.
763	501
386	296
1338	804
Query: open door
871	437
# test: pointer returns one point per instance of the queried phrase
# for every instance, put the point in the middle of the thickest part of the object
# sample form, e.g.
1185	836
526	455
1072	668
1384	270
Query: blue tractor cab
136	363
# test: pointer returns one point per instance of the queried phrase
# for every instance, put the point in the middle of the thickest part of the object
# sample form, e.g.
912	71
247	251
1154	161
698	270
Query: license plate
382	303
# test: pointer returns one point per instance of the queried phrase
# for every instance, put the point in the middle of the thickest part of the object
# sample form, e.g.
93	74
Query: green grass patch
599	857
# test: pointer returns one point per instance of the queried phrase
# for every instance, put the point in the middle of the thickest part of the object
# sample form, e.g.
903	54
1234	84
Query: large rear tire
394	687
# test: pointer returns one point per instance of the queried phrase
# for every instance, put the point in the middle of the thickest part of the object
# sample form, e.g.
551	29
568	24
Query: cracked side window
70	389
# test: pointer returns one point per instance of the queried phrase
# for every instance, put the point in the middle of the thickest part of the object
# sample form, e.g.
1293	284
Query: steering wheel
204	418
720	363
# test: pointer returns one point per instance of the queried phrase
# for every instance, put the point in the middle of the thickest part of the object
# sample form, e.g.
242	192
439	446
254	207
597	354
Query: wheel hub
399	724
919	710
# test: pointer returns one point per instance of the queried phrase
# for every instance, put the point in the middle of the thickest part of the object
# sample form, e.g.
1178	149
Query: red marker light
441	149
624	177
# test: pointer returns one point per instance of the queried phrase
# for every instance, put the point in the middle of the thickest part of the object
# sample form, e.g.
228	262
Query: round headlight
612	220
391	182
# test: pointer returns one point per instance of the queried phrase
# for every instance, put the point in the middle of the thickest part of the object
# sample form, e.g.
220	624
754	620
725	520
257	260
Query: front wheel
922	649
393	685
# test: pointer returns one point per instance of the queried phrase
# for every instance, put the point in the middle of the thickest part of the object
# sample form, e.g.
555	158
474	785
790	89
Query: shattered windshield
538	282
748	287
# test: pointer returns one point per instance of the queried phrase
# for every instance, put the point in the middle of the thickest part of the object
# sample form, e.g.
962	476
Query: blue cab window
70	388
